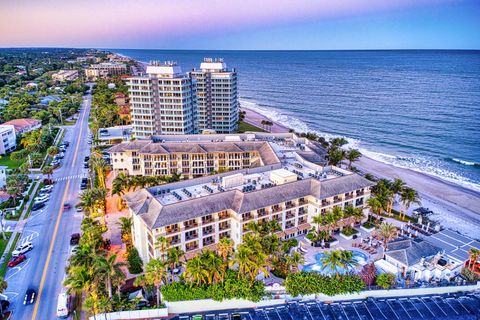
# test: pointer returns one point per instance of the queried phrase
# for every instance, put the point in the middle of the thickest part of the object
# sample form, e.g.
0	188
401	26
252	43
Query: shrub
368	225
386	280
470	275
232	287
306	283
349	231
368	274
135	263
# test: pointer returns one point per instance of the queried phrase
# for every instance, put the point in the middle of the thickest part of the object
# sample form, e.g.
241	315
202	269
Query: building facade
65	75
217	96
282	185
8	138
162	102
105	69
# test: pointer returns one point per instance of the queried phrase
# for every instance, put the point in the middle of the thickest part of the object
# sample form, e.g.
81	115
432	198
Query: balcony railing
326	203
174	241
290	216
224	227
302	201
173	230
277	209
209	220
223	217
262	213
190	248
246	218
289	205
190	226
335	200
191	237
208	231
302	211
350	196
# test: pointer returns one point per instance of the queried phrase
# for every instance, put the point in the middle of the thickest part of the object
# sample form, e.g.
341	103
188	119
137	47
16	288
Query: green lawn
6	161
3	243
244	127
3	268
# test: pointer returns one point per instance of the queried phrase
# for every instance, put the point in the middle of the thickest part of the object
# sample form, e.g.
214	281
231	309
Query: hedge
233	287
306	283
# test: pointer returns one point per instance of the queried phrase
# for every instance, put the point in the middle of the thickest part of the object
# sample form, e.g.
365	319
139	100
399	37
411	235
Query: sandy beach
454	206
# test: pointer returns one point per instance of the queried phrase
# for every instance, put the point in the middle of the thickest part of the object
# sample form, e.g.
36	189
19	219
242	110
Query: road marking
50	249
76	176
17	269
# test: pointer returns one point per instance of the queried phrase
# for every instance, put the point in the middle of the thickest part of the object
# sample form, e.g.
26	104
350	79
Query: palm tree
335	156
337	214
375	205
110	269
78	280
87	202
352	155
48	170
346	257
319	220
356	213
119	186
225	249
214	266
162	246
295	260
174	255
387	232
195	271
52	151
155	272
396	187
408	196
101	168
250	262
255	227
332	260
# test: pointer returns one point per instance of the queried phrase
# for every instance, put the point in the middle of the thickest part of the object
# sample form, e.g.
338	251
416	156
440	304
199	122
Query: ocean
417	109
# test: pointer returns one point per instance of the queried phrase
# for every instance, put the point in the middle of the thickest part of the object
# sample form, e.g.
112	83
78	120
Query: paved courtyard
450	307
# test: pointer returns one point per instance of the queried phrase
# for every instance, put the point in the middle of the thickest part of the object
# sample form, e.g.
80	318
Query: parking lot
451	307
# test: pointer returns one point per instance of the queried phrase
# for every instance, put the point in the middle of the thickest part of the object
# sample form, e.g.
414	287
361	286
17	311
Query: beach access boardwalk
452	307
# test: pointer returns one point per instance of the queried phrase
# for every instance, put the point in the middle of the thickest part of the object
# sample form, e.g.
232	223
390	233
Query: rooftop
410	252
21	124
453	243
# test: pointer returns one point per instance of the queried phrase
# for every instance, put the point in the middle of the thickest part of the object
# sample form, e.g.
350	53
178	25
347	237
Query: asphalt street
49	230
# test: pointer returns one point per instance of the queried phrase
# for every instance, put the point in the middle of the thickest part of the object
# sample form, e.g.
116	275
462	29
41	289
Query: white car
42	198
47	188
21	249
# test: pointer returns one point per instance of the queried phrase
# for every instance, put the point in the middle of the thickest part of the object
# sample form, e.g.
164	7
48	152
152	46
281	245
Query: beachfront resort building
162	102
197	213
105	69
8	138
217	97
65	75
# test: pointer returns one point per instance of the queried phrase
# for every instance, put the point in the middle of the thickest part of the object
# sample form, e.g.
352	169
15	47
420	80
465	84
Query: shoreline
454	205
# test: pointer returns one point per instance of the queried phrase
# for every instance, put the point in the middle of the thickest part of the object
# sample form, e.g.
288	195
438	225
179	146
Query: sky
241	24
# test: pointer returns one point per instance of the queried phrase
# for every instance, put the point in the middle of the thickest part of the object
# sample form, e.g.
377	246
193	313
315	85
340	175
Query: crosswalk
76	176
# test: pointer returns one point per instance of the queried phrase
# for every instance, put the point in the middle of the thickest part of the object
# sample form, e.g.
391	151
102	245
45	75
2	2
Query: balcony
191	237
289	225
289	215
224	235
174	241
302	211
302	201
326	203
208	241
223	216
172	230
222	227
191	247
247	218
289	205
262	213
207	220
336	200
302	220
208	231
276	209
190	226
360	192
348	196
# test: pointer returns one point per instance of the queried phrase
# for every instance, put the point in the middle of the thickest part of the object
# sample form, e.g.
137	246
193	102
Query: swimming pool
360	257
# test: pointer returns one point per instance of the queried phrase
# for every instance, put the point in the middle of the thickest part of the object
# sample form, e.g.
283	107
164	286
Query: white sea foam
467	163
416	163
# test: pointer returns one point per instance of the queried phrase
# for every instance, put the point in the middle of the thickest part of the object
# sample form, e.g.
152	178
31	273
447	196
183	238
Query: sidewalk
20	224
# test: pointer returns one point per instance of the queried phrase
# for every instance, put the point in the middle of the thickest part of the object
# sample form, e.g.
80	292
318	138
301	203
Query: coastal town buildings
105	69
197	213
217	97
8	138
162	101
24	125
65	75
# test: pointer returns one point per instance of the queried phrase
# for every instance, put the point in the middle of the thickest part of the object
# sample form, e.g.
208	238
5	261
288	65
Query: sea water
413	109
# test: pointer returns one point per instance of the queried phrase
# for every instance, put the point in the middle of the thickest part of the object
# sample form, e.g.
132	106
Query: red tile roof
21	124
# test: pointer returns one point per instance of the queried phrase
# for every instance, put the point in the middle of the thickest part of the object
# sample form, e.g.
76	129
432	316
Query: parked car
84	184
42	198
15	261
48	181
86	159
30	296
66	206
85	165
23	248
38	206
46	189
74	239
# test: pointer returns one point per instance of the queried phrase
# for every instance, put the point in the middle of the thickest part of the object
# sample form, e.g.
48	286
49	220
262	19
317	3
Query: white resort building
217	96
197	213
8	138
162	102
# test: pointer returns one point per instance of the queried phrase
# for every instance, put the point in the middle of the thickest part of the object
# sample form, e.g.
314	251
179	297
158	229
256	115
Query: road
49	230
